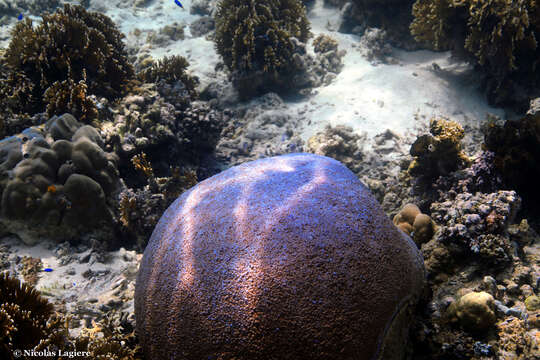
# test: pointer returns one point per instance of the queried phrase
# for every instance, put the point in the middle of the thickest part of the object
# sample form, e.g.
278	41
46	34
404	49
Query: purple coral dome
288	257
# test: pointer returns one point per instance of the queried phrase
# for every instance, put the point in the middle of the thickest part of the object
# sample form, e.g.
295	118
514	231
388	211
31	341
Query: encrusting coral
70	54
257	41
499	34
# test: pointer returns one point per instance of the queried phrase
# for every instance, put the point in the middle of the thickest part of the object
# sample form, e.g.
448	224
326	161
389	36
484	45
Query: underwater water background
185	127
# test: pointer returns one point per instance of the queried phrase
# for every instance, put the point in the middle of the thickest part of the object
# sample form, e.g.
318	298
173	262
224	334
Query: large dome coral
288	257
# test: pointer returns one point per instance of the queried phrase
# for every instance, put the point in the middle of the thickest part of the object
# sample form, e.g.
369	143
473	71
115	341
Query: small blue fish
19	17
177	2
47	269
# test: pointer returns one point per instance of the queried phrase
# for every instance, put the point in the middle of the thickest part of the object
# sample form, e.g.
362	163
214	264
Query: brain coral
288	257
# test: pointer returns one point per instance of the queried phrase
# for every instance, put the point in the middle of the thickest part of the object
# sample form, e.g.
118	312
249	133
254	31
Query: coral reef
361	302
140	209
162	121
375	46
163	37
263	128
340	143
515	339
27	321
500	35
67	47
328	58
261	42
31	266
415	224
392	16
37	8
477	224
438	153
203	7
172	71
58	179
202	26
516	146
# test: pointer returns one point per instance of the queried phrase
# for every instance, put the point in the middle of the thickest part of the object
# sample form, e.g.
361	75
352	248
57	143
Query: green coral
255	40
52	58
499	34
438	153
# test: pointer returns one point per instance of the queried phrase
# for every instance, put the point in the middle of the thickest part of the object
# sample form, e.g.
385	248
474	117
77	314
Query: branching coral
171	70
27	321
499	34
255	38
51	59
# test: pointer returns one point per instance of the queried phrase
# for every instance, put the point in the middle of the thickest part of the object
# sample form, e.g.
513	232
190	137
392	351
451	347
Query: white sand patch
84	278
372	99
369	98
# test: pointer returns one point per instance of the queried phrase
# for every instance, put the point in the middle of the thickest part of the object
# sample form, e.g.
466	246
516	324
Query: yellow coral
141	163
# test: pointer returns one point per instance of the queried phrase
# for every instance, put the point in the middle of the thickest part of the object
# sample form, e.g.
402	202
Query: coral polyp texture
288	257
499	34
70	53
255	40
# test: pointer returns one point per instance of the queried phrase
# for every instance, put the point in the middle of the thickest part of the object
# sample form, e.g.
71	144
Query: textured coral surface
287	257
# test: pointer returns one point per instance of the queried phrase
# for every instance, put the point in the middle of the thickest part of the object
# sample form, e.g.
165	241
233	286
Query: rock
474	311
532	303
490	285
284	257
